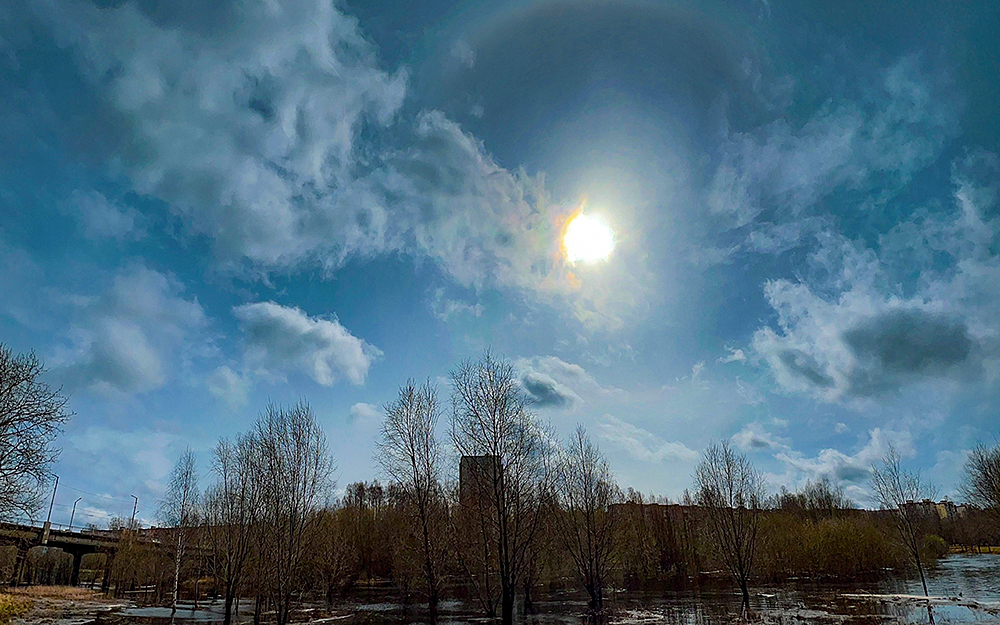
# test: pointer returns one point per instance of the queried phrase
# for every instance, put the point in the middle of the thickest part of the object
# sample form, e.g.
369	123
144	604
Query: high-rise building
475	475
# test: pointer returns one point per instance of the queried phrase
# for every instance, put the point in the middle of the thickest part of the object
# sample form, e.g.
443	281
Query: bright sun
588	239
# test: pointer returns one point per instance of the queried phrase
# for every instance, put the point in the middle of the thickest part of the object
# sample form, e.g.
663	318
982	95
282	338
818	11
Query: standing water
963	589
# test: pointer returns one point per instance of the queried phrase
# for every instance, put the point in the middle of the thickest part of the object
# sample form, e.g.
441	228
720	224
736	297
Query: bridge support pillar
19	561
74	579
109	562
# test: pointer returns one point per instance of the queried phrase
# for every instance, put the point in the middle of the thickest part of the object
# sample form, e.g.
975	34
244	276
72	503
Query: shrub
11	607
850	545
933	547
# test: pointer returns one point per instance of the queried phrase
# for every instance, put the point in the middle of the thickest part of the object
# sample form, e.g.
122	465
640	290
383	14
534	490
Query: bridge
77	543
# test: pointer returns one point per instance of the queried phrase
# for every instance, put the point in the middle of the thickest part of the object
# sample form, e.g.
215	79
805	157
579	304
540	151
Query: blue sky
204	206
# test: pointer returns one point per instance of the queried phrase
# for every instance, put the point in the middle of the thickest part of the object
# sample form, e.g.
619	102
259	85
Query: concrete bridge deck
77	543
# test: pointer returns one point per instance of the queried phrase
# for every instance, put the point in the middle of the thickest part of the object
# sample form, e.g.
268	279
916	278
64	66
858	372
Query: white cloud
444	308
840	467
642	444
552	382
462	52
137	462
734	355
134	336
363	414
237	114
100	218
283	338
864	327
244	119
753	437
229	387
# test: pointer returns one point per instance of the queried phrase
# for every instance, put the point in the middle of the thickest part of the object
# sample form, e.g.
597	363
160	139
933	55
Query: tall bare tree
295	468
31	417
981	479
410	456
586	518
506	453
731	492
179	509
232	510
897	490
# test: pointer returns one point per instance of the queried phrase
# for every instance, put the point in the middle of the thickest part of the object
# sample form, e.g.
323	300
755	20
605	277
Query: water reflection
966	589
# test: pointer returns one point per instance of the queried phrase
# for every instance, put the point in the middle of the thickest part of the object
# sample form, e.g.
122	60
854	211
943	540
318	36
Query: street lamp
73	514
131	525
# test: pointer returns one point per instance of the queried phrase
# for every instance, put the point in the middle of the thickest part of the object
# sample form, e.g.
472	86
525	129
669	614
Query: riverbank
990	550
59	605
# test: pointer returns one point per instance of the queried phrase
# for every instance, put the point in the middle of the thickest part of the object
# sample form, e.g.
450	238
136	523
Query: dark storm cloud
877	353
851	473
910	342
546	392
804	366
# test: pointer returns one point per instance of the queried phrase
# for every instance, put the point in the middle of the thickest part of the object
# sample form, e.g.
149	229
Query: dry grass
12	606
65	593
974	550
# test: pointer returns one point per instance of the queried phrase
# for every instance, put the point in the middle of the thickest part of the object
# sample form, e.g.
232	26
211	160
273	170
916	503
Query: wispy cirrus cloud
776	172
642	444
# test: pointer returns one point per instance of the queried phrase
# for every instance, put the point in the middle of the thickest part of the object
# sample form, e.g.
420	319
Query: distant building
943	510
474	478
947	510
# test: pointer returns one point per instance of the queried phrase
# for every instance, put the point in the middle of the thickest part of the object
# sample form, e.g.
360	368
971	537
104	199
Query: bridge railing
39	524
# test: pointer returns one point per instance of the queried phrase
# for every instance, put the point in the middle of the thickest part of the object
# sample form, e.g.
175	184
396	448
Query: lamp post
73	514
131	525
54	489
48	520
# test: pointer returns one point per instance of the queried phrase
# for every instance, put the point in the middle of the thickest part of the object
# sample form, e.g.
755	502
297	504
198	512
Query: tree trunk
507	604
432	604
177	573
596	600
920	565
746	596
227	614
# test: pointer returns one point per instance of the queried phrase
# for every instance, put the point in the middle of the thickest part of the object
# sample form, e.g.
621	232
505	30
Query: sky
205	207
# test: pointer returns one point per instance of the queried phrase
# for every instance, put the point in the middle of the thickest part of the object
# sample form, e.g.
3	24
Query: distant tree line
522	513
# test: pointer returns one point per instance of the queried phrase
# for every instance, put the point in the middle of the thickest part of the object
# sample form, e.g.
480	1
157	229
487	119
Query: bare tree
295	468
232	509
981	479
586	521
332	559
31	417
506	456
897	491
179	509
732	493
411	457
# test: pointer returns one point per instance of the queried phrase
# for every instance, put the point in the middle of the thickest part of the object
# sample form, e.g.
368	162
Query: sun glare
588	239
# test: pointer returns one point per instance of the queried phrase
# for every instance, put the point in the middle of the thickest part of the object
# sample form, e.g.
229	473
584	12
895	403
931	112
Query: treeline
523	514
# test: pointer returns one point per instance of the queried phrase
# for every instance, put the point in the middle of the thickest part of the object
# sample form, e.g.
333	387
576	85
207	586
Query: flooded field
964	589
